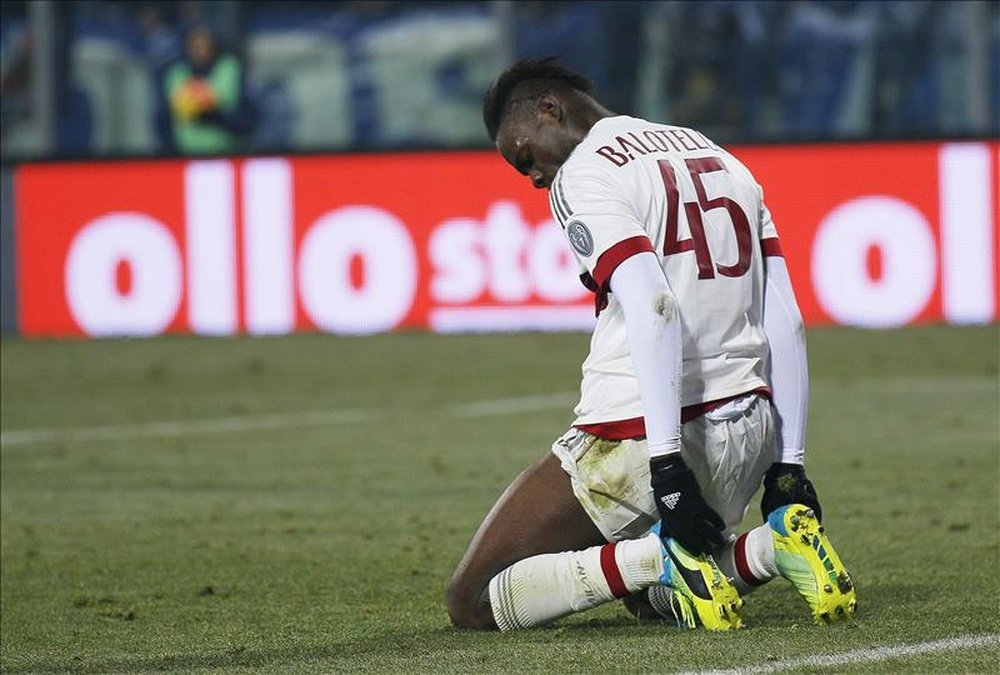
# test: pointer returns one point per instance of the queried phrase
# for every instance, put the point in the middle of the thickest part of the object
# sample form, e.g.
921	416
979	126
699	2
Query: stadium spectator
695	390
210	112
716	50
162	42
15	80
827	56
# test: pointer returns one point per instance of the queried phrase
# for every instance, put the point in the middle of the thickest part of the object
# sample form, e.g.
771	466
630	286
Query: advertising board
876	235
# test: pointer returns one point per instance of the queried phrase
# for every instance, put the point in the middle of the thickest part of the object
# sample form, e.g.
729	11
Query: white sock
659	599
540	589
749	559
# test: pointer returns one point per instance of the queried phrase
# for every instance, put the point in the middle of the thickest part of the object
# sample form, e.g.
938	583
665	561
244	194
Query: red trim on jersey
619	430
771	247
635	428
690	412
742	567
618	254
611	572
609	261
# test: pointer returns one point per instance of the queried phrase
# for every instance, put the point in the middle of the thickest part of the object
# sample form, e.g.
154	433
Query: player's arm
653	326
604	231
786	482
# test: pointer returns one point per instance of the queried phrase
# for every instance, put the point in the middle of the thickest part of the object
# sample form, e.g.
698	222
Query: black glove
787	484
684	514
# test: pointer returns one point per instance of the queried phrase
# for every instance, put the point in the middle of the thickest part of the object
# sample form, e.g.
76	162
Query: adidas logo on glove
670	500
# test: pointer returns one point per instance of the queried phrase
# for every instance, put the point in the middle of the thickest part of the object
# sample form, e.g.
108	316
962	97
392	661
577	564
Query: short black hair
496	98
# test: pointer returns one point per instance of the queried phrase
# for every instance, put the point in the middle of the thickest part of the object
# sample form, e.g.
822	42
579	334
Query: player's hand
787	484
684	514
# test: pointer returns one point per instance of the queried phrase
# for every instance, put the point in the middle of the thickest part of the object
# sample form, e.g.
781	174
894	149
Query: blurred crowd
108	77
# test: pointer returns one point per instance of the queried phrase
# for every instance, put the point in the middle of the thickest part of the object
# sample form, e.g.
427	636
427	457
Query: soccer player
694	392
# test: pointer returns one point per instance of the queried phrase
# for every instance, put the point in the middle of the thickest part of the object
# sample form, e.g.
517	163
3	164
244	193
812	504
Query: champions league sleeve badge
580	238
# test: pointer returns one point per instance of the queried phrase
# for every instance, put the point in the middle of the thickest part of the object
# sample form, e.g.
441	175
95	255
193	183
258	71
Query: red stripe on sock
611	572
740	558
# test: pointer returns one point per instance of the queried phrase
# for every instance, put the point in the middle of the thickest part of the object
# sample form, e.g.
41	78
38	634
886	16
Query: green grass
327	547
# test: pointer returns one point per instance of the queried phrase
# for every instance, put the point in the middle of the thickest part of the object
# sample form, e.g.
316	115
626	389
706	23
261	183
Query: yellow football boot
702	593
804	555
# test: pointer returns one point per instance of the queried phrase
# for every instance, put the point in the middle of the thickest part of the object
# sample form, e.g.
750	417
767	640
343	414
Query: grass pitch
298	504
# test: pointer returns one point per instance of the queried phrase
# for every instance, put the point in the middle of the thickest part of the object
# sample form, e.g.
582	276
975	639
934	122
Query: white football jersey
633	186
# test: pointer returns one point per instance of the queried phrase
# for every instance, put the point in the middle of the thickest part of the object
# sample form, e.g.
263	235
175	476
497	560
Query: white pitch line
271	421
167	428
509	406
866	655
970	384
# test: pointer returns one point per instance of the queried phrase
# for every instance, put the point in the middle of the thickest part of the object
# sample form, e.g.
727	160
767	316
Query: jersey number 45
697	241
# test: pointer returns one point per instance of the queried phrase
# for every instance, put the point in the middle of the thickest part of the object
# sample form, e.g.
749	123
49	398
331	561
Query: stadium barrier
876	235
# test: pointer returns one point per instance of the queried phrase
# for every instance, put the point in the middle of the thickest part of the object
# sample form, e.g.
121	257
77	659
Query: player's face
535	147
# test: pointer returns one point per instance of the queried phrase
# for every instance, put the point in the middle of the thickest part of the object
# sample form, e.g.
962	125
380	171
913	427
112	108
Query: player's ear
549	108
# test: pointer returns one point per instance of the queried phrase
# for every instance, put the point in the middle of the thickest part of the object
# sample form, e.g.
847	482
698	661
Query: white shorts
729	449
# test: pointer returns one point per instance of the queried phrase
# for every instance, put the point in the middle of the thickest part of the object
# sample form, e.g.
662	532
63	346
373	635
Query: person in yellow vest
204	91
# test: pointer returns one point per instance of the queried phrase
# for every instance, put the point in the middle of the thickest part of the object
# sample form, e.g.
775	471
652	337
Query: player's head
536	112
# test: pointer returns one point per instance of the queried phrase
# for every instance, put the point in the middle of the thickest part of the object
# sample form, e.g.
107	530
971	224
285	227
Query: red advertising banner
875	235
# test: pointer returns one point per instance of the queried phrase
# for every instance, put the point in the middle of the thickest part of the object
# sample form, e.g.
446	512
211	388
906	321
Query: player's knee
466	606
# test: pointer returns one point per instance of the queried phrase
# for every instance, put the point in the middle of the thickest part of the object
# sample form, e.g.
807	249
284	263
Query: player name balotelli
654	140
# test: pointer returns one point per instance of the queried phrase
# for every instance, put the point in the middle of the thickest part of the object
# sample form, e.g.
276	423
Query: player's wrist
664	448
796	469
793	456
665	465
